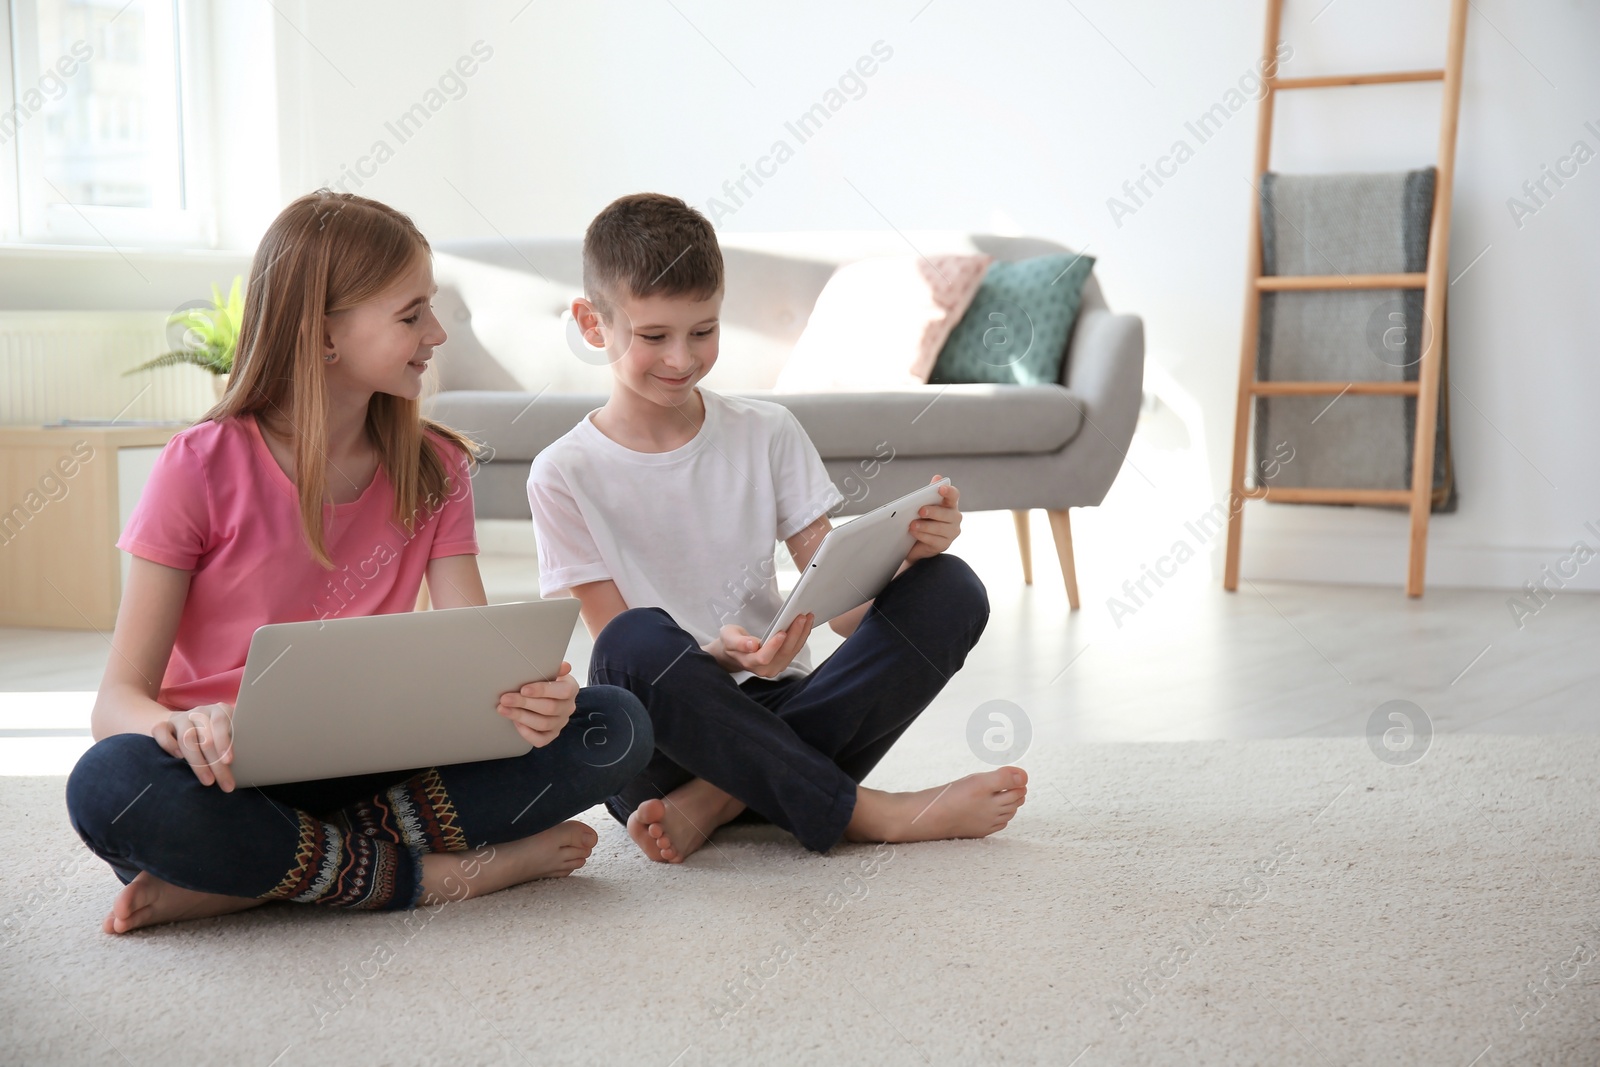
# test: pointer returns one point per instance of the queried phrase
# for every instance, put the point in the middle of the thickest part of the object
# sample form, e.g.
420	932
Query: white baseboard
1343	558
1289	555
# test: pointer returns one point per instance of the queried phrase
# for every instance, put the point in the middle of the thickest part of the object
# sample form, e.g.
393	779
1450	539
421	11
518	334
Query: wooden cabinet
65	494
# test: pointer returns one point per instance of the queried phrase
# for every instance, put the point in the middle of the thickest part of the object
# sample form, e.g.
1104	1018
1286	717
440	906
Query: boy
656	510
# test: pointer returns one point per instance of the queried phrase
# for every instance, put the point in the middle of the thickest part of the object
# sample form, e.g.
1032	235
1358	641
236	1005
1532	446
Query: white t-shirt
692	530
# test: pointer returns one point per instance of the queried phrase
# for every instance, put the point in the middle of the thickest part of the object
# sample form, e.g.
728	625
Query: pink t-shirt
218	504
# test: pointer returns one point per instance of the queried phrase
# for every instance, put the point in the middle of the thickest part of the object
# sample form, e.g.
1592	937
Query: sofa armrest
1105	372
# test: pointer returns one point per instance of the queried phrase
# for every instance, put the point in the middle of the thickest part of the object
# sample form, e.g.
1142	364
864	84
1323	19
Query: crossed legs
186	850
794	750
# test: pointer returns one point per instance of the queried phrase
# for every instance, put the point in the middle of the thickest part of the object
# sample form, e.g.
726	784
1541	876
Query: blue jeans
353	842
794	749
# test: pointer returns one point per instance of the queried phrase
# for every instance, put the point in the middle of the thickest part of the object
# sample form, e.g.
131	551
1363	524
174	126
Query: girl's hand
204	737
936	525
738	650
540	709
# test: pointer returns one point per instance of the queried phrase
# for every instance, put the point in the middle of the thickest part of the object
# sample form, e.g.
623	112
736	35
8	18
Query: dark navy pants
351	842
794	749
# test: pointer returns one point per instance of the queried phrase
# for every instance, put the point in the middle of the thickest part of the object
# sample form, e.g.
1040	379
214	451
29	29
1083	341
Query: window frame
34	212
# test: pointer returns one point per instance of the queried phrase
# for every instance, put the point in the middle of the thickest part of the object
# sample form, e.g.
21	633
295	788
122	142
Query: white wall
1026	117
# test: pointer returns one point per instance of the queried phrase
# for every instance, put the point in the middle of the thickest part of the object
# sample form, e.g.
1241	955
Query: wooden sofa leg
1061	527
1025	545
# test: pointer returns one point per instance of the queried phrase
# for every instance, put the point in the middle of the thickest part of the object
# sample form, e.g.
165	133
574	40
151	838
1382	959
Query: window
97	124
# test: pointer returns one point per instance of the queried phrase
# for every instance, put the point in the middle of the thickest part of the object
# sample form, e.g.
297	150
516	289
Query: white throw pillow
879	323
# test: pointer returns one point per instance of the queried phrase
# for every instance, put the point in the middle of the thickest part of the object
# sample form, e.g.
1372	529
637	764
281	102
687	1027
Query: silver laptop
329	698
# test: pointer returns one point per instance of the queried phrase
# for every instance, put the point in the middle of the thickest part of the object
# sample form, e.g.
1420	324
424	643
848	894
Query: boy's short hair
648	243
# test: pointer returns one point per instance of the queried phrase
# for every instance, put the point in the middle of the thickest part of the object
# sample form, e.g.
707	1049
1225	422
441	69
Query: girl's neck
347	427
350	459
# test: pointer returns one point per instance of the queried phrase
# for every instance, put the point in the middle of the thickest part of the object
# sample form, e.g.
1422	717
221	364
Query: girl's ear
328	353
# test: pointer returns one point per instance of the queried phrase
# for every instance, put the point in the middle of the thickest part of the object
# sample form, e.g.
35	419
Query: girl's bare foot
552	853
147	901
975	806
670	831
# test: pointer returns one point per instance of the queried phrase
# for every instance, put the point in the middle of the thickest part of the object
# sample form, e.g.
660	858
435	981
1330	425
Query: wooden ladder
1433	282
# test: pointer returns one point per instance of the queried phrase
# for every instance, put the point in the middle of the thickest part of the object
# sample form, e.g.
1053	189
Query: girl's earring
330	357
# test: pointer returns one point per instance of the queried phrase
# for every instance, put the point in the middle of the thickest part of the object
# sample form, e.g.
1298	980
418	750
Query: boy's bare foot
670	831
148	901
552	853
975	806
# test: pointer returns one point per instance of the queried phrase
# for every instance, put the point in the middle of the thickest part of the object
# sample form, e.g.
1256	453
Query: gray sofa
509	377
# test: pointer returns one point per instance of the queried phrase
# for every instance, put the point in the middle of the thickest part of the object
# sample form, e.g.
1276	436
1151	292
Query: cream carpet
1260	902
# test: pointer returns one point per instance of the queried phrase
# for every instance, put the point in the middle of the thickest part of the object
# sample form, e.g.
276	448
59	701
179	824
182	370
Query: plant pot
219	382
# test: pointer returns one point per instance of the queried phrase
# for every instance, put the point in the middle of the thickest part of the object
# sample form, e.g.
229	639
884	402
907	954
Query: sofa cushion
952	420
517	426
926	421
497	319
1017	327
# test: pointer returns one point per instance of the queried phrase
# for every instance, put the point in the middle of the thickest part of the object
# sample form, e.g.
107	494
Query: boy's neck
646	426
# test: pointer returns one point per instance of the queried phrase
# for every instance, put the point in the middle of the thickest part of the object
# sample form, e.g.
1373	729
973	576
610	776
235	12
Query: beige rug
1263	902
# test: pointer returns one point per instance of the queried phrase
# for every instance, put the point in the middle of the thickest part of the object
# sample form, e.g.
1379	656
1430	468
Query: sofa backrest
504	303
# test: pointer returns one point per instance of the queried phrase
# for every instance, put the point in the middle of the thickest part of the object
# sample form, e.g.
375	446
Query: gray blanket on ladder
1345	224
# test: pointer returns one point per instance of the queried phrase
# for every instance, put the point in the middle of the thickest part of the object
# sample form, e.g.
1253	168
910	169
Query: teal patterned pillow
1015	332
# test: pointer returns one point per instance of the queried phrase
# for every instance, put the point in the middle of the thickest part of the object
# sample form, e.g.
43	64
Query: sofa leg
1024	545
1061	527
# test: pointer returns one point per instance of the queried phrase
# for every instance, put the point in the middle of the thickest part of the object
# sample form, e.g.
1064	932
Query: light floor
1192	663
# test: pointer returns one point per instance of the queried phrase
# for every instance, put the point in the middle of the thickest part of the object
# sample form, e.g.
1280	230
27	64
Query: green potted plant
209	336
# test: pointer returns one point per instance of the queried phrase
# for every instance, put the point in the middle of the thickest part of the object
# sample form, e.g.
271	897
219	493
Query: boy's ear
588	332
589	321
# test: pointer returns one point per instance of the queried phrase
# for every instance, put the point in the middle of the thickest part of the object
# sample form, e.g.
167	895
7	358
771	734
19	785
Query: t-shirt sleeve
171	523
568	555
804	490
457	531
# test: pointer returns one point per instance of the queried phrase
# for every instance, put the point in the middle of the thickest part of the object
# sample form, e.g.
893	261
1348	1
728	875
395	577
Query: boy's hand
204	737
936	525
738	650
540	709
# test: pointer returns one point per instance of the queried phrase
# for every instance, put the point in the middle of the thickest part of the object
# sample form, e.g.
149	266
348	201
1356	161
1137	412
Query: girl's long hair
328	252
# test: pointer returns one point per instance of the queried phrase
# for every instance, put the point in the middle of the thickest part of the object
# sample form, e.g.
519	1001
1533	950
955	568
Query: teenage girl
316	489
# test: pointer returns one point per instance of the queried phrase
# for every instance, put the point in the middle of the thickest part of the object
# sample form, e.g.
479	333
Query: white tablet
325	699
856	560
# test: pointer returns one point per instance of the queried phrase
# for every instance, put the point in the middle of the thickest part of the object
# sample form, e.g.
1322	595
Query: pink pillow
880	323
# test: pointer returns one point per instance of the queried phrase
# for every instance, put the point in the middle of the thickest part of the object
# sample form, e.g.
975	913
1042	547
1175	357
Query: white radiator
69	365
